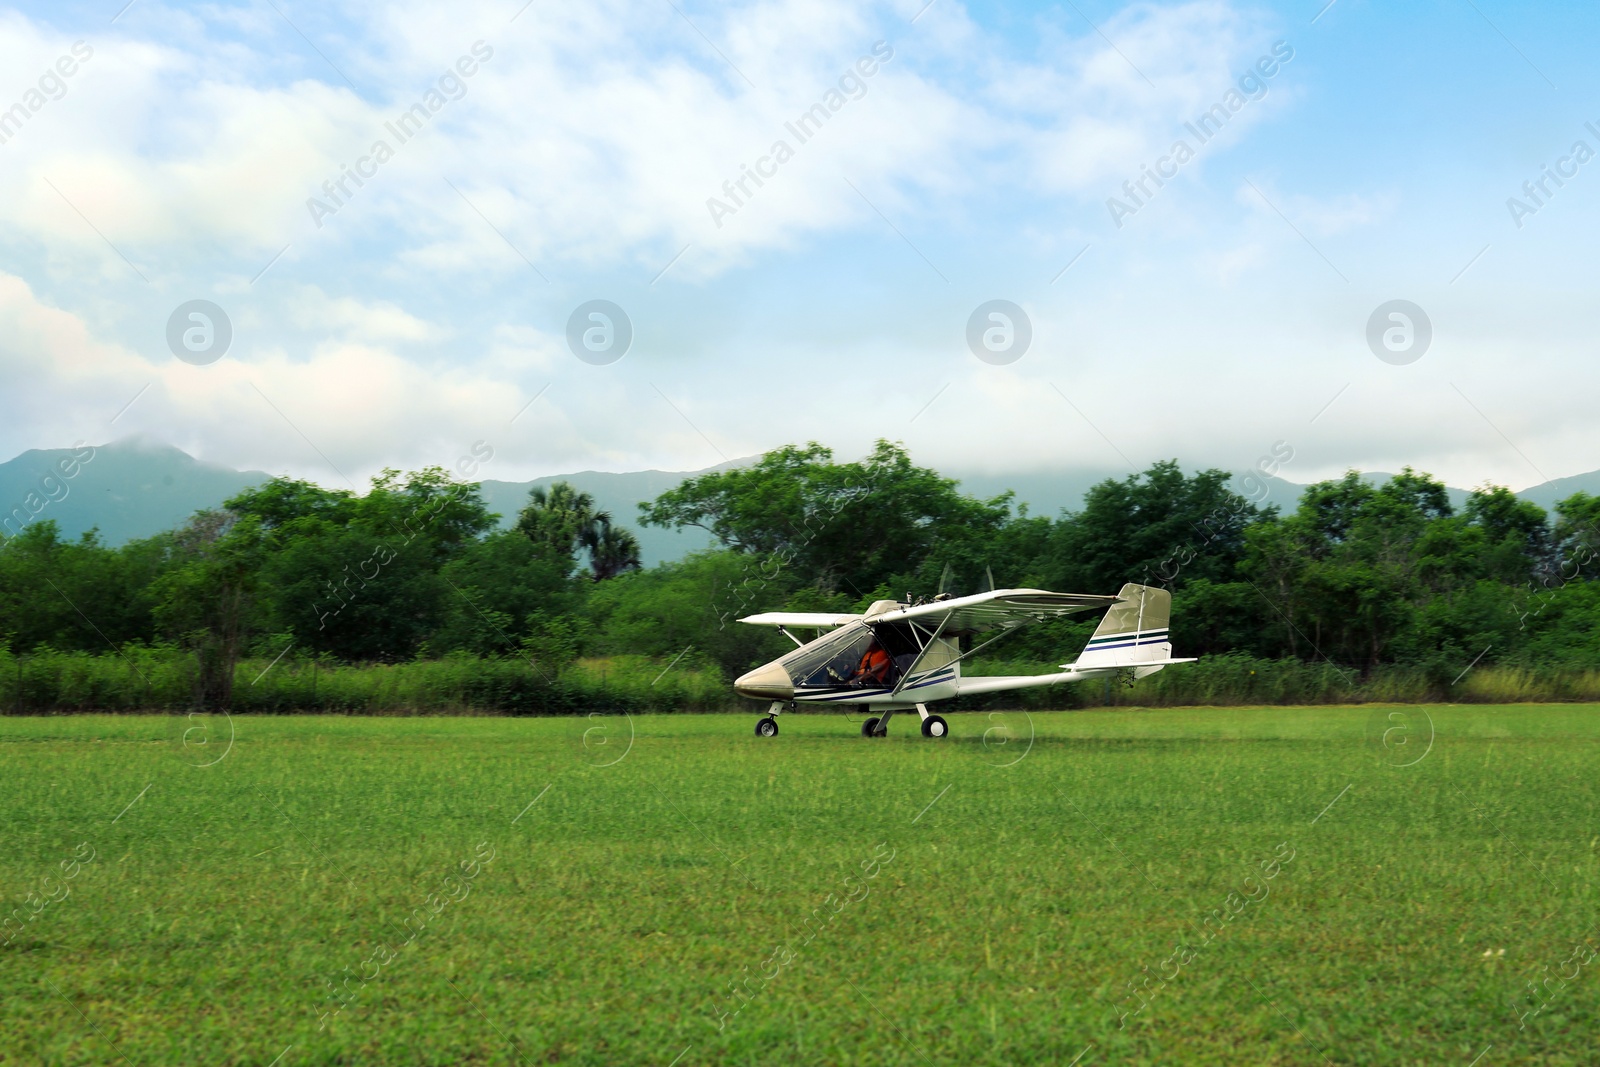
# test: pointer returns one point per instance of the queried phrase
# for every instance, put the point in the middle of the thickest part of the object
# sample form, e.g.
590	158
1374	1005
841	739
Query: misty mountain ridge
130	488
136	487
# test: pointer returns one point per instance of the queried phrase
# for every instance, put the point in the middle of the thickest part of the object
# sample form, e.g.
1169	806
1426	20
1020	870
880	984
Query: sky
517	162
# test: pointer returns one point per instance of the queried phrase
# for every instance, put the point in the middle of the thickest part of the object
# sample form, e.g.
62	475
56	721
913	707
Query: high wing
999	609
799	618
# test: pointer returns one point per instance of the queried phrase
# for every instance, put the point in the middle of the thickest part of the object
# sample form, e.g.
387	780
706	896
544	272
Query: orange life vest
875	665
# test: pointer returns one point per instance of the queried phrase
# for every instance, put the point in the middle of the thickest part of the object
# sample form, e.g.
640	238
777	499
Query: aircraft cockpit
854	654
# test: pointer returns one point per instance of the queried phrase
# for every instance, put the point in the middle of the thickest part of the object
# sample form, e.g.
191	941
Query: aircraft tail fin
1133	633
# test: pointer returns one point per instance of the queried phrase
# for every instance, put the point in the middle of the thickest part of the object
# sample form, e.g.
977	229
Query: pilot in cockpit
875	666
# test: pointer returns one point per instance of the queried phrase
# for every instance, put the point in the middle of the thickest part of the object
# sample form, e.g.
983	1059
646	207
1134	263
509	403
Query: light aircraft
899	657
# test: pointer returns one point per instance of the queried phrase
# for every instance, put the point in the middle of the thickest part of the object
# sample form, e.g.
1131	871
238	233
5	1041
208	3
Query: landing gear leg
768	727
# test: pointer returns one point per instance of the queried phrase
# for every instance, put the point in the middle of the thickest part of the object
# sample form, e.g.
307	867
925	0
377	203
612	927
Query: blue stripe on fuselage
831	695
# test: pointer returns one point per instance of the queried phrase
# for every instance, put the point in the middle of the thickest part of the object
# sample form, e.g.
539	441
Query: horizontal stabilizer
1138	668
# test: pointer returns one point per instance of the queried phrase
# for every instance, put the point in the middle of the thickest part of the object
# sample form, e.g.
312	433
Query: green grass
1019	903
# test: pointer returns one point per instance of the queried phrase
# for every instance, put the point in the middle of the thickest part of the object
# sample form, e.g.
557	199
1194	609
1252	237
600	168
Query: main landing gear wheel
870	728
767	727
933	726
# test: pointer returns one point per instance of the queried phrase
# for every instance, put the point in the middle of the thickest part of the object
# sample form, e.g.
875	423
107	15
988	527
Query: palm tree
565	520
557	518
612	549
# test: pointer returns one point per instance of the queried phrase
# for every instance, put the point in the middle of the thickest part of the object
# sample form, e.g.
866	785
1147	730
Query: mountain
1048	493
1545	494
1045	493
130	489
135	488
1286	494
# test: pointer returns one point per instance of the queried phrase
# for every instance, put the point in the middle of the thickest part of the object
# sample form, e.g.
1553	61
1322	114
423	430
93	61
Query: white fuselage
880	666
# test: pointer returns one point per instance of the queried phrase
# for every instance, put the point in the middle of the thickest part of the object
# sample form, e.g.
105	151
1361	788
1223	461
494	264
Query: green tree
695	603
429	506
851	527
1519	540
1156	528
75	595
360	577
564	521
1210	618
210	600
353	593
281	503
1351	571
612	549
497	587
557	518
1577	536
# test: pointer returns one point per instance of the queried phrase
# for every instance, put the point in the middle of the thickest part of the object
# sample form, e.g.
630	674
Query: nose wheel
767	727
934	726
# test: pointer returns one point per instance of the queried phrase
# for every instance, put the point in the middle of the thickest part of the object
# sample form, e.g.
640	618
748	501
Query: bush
165	678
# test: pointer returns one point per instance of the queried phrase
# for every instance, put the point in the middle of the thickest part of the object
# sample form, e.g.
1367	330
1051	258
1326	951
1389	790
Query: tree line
1354	575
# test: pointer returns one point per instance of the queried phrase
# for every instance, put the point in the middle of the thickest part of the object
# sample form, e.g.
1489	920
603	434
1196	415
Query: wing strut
970	651
961	656
986	644
906	677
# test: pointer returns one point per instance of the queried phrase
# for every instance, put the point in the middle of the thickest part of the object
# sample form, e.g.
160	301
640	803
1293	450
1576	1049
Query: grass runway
1195	886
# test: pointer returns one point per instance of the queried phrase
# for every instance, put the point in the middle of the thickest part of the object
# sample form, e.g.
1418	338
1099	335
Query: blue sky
1227	314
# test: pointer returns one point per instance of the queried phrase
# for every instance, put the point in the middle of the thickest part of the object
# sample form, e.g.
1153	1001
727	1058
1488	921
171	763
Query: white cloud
408	325
312	309
1317	217
594	135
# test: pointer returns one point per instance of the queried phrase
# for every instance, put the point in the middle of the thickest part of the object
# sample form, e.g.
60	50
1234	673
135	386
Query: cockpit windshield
854	655
832	660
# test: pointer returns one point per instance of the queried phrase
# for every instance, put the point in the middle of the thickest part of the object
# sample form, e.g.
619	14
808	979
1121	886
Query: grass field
671	889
